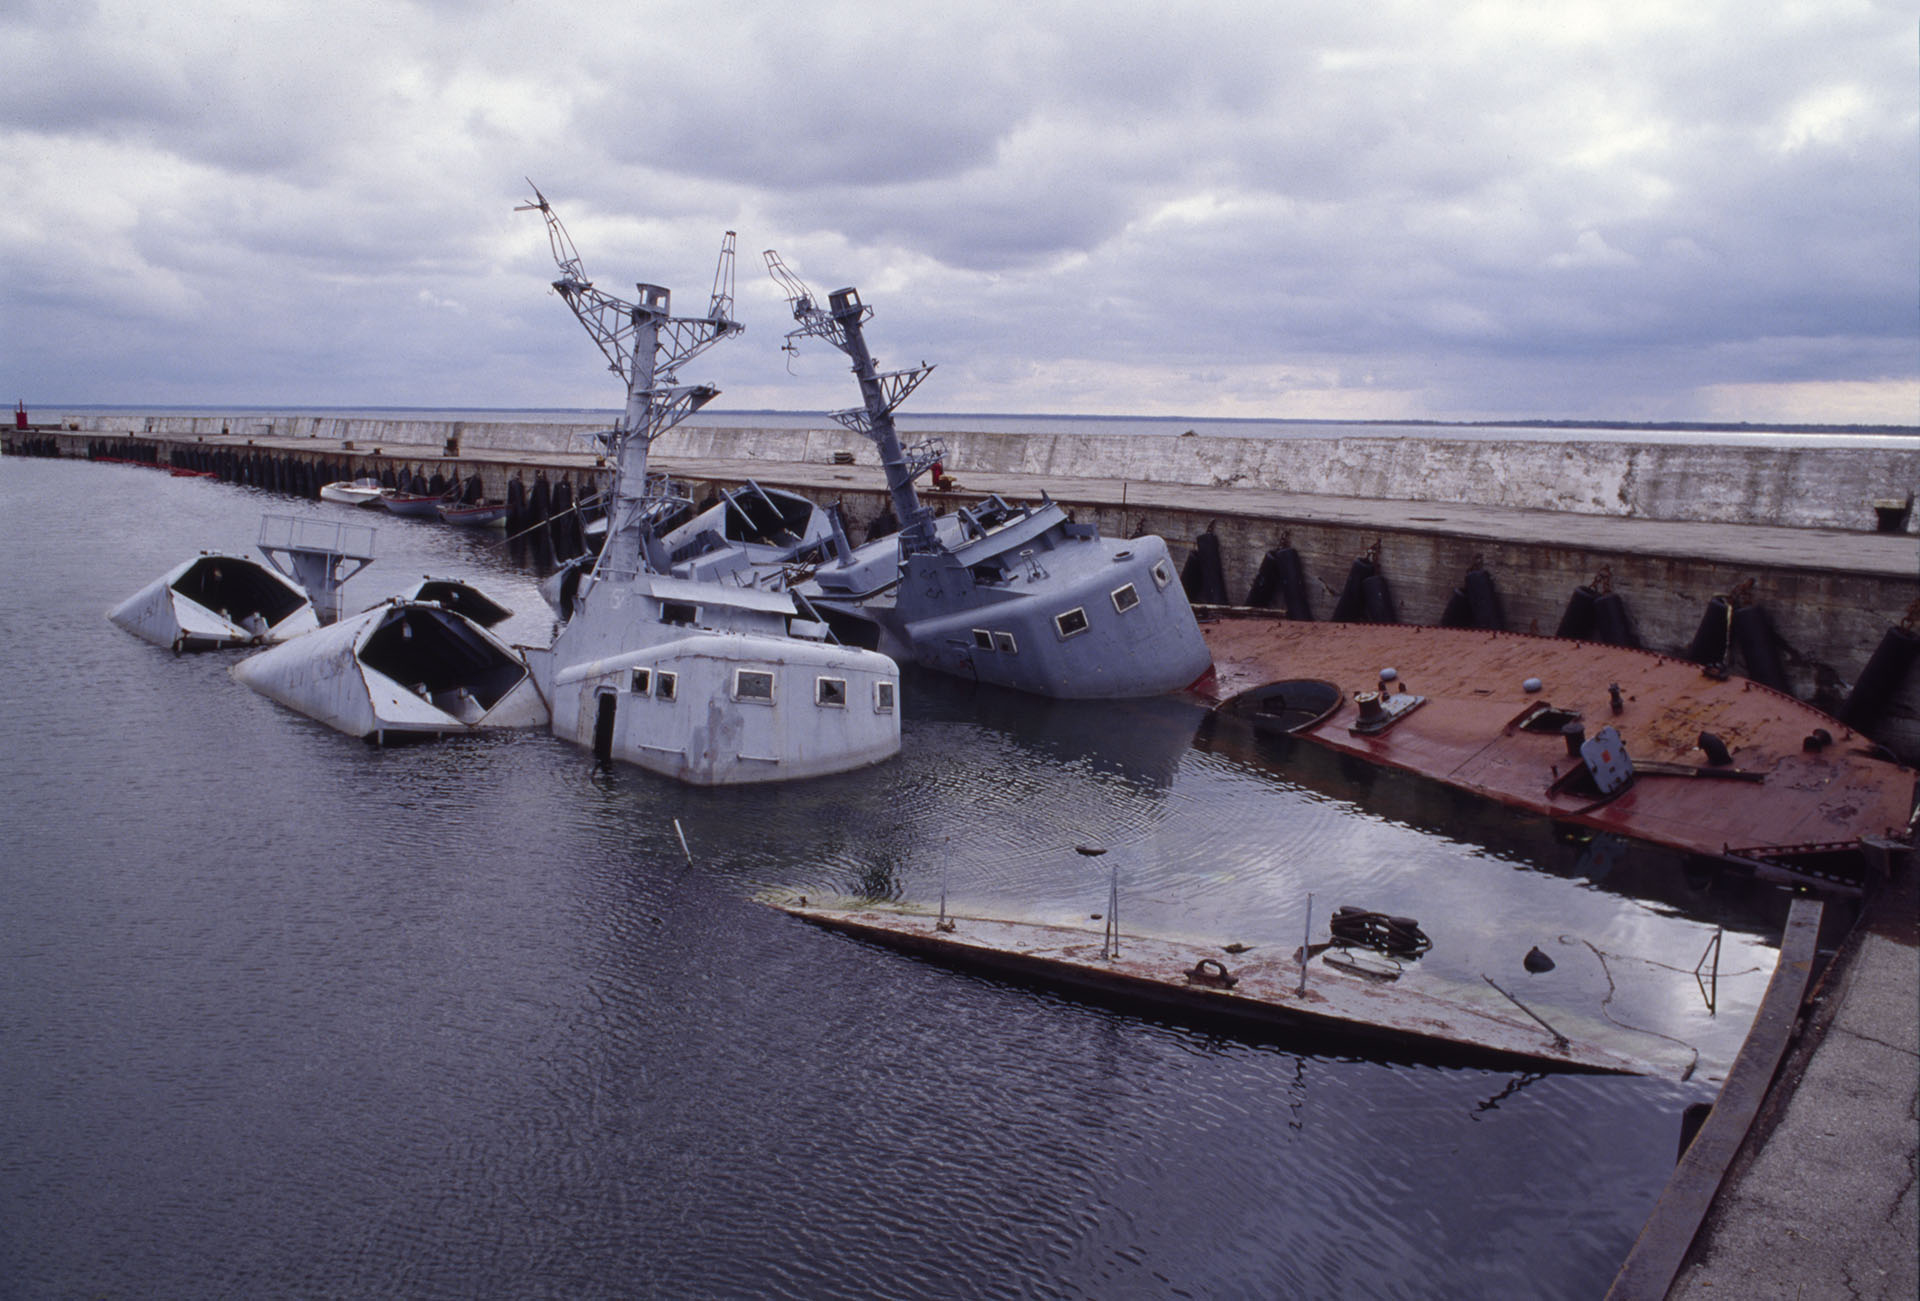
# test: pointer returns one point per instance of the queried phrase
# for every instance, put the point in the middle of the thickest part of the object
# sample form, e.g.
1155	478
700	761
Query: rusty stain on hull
1266	992
1775	793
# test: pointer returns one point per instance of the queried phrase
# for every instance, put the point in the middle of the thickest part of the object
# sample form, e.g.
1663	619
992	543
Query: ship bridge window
753	684
1004	643
883	697
1125	598
1162	573
830	691
982	639
665	684
1072	623
642	682
680	612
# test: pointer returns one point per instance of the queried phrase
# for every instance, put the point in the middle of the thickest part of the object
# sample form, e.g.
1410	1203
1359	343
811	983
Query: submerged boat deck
1776	793
1248	990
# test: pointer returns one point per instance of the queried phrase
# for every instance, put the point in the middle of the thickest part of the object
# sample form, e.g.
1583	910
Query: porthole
1004	643
830	691
1072	623
883	697
753	684
665	685
1162	573
642	682
982	639
1125	598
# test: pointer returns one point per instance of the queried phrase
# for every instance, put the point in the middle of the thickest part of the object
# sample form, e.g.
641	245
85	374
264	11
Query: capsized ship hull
1018	596
405	670
1024	598
214	602
1797	780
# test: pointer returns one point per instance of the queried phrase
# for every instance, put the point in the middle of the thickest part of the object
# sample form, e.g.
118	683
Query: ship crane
645	345
842	323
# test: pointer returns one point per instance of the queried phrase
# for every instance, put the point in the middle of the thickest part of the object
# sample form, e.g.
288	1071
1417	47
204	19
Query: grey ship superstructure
709	682
1016	595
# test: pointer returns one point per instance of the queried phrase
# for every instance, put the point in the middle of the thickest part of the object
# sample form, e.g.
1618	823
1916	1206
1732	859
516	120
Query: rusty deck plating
1467	732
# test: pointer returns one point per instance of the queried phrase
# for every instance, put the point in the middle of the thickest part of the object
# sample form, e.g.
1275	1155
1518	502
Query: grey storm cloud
1321	210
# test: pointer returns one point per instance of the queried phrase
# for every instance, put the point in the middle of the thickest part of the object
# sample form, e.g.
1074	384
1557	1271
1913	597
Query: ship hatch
422	648
237	589
1542	717
1288	706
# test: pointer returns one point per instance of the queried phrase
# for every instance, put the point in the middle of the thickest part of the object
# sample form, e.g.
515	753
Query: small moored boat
355	492
480	514
420	505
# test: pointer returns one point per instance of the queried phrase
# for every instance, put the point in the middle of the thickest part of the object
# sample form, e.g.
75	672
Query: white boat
404	670
215	601
356	492
418	505
709	682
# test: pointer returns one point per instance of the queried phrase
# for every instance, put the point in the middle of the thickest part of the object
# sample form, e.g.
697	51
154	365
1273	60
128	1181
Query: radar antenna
613	323
841	323
645	344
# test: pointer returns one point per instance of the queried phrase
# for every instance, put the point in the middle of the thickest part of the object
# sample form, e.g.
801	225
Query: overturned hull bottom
402	671
1202	982
1492	713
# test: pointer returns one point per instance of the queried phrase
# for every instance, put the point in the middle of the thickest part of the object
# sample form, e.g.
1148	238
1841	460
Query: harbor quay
1816	1194
1822	539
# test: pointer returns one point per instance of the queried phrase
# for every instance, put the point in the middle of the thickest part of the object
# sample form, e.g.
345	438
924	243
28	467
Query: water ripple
289	1015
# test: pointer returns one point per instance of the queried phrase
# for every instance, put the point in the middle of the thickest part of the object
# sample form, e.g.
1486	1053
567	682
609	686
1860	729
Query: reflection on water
288	1015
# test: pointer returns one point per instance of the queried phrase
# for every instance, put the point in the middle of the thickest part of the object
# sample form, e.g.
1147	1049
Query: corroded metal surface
1467	734
1266	991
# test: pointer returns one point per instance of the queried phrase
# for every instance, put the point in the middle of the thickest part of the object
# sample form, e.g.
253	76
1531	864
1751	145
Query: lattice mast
840	324
645	344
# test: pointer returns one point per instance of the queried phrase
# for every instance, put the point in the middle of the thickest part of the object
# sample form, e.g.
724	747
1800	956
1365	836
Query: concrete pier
1818	1198
1820	1201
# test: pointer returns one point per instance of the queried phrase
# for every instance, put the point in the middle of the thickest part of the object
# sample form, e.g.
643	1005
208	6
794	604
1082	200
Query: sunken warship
708	681
1019	596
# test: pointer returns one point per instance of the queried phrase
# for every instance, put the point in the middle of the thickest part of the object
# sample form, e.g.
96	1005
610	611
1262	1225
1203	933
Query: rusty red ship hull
1778	801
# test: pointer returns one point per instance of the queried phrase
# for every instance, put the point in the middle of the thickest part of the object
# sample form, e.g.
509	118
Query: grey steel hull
401	671
654	671
215	602
1052	611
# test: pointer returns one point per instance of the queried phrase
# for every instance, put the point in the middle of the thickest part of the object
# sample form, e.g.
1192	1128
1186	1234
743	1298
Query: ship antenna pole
841	324
645	344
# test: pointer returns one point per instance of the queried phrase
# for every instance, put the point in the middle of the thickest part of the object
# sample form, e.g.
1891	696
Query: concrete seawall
1797	487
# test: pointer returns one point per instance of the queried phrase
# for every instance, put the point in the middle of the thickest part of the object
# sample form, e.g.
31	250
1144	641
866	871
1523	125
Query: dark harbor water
285	1015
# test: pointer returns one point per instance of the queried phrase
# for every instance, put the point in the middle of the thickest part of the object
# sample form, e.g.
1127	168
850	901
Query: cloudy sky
1269	208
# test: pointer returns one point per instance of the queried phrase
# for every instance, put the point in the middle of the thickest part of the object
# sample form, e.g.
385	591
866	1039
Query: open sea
284	1015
